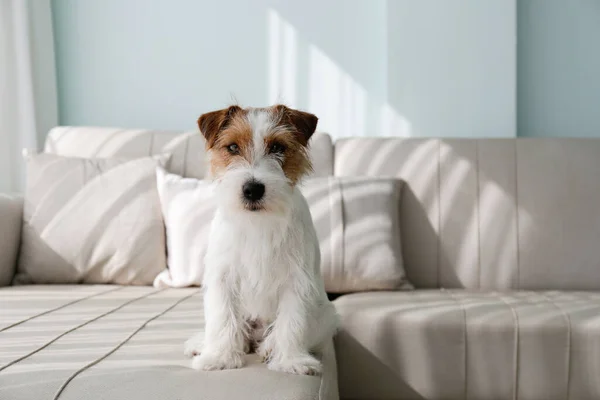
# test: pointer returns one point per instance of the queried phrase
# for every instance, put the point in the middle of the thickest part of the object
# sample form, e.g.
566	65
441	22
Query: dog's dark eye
233	148
277	148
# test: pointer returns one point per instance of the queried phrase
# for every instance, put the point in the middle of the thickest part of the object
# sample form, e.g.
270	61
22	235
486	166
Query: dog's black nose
253	190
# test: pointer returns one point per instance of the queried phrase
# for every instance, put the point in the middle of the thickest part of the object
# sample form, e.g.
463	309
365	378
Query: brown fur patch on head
295	160
222	129
303	123
212	123
294	129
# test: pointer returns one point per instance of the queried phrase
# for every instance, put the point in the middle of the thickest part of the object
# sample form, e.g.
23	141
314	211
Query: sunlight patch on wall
302	75
392	123
283	60
334	94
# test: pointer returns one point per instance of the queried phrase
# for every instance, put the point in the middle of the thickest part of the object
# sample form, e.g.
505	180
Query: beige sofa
499	237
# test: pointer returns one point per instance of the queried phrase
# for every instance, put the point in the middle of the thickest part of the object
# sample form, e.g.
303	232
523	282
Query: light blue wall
160	64
452	66
125	63
559	68
377	67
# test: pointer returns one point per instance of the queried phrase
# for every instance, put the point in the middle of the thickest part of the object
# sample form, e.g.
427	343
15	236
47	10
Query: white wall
377	67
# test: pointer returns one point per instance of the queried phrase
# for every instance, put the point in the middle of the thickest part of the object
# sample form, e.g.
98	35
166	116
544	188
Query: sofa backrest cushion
491	213
187	148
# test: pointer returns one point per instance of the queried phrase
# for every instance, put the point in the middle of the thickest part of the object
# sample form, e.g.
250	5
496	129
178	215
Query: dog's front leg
223	346
287	343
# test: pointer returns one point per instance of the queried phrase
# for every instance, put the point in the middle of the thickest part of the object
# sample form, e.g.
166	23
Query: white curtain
28	103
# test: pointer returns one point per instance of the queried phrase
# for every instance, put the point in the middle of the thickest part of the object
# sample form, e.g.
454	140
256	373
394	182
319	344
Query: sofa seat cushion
115	342
453	344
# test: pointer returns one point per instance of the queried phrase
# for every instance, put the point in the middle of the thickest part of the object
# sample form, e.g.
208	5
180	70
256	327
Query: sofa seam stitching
569	337
122	343
59	308
516	346
65	333
464	313
342	227
439	212
478	211
332	186
517	233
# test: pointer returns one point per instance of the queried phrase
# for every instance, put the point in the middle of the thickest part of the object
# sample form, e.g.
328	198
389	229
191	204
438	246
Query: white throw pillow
188	208
356	219
91	221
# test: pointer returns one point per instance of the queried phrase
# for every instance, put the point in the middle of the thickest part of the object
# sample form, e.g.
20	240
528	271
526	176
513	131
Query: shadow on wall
302	75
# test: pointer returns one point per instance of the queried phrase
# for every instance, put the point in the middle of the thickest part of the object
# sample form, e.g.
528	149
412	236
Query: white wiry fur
262	279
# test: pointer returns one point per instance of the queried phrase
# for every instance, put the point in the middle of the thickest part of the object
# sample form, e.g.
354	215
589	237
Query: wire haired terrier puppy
262	281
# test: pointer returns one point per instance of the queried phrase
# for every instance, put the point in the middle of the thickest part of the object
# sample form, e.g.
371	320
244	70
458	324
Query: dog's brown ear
212	123
305	123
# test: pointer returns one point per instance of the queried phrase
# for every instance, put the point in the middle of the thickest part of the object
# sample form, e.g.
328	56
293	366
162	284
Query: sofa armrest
11	214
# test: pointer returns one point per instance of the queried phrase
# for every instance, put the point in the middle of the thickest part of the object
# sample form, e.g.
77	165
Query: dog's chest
262	268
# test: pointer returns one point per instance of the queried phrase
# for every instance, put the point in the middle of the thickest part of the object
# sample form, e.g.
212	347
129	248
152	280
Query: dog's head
257	155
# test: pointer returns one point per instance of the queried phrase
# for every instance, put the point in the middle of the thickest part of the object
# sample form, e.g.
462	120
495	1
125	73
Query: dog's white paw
300	365
264	353
193	346
209	361
265	349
